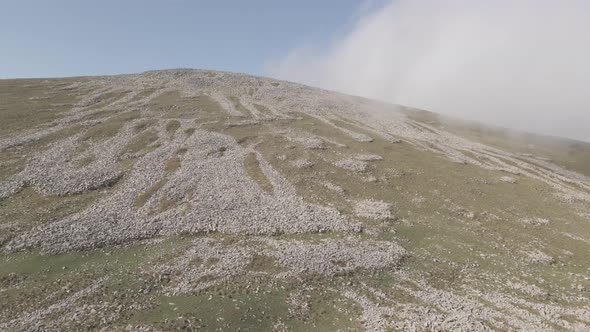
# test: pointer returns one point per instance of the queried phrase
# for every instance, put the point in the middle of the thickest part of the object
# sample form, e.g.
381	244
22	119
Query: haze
515	64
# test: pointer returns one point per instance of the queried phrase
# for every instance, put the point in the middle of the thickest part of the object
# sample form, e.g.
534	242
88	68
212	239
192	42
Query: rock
508	179
367	157
302	163
352	165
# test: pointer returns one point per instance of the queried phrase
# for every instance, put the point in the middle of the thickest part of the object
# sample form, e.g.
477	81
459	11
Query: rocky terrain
195	199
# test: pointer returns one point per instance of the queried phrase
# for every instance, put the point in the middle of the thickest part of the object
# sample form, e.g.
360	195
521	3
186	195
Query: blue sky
74	37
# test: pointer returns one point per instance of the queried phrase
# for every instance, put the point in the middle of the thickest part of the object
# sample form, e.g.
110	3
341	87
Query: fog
516	64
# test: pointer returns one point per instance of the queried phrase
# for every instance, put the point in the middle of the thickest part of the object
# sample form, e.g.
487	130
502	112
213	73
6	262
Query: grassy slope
571	154
430	194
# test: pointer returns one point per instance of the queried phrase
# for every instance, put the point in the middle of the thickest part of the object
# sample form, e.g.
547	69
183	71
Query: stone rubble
367	157
303	163
352	165
327	257
508	179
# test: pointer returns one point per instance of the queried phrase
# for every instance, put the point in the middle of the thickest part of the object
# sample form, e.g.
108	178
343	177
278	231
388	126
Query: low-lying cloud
520	64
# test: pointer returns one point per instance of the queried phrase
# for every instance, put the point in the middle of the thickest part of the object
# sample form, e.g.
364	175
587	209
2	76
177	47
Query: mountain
210	200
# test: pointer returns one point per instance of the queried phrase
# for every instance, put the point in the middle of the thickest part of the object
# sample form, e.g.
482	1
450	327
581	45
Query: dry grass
145	196
85	161
167	204
172	164
255	172
171	127
263	109
28	209
141	141
571	154
263	263
110	127
31	103
172	105
189	132
239	107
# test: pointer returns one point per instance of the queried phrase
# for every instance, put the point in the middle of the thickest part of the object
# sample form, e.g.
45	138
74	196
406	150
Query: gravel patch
508	179
376	210
311	143
302	163
230	204
352	165
367	157
334	187
330	257
535	221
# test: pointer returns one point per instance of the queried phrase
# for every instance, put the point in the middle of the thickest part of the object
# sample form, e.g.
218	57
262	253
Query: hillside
201	199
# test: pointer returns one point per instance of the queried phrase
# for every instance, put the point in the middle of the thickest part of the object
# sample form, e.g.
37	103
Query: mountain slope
192	198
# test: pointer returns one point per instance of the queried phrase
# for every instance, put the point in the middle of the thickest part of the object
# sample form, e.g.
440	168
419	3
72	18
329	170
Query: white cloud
521	64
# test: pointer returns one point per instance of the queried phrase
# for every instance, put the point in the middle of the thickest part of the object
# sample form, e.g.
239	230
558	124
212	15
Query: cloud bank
519	64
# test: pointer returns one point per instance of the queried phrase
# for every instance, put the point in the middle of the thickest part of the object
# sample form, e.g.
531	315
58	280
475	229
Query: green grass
239	306
43	279
248	312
